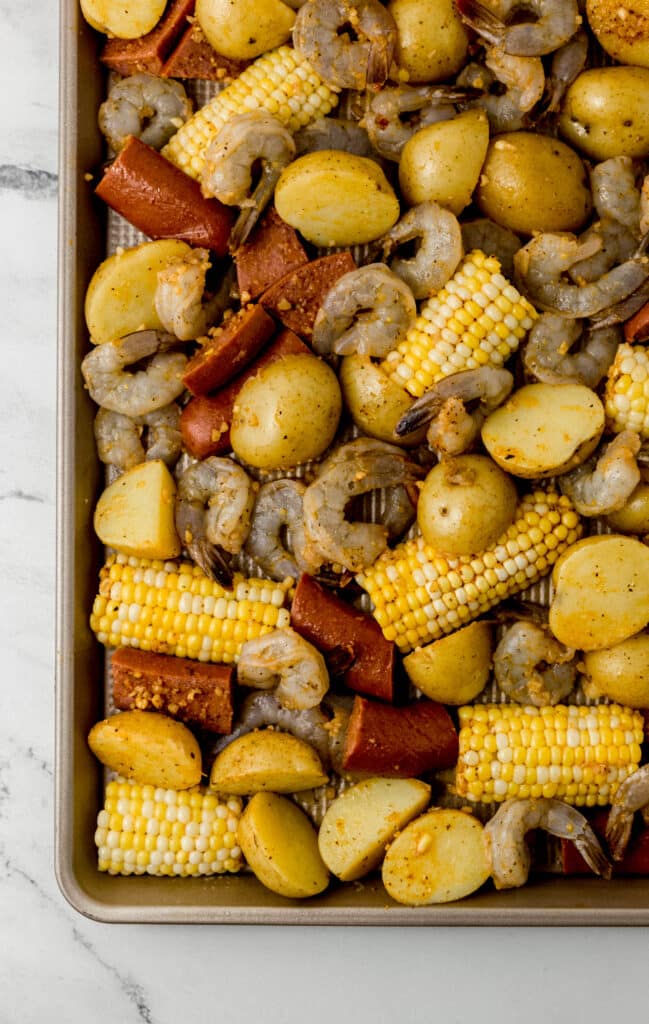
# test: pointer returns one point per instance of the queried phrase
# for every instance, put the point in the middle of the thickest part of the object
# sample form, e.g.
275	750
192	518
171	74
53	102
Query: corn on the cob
142	830
281	82
576	754
173	608
627	390
419	594
477	318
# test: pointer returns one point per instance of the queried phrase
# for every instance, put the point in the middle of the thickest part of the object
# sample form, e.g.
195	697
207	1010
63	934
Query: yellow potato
622	29
634	517
363	819
121	292
432	41
125	19
148	748
267	760
620	673
456	668
443	161
605	112
543	429
336	198
135	514
601	593
438	857
281	846
244	29
376	403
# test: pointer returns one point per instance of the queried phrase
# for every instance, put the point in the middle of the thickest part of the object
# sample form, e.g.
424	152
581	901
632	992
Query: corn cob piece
173	608
419	594
146	831
281	82
477	318
627	390
576	754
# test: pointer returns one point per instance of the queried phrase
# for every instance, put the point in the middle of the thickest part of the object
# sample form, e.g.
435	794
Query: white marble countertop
54	964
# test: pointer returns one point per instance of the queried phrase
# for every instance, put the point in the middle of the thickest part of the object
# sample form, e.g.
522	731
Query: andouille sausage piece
205	420
296	298
399	742
194	57
329	623
162	201
637	328
193	692
634	862
272	251
149	52
229	348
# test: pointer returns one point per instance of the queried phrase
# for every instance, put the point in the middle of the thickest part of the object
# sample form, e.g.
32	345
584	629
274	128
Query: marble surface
57	966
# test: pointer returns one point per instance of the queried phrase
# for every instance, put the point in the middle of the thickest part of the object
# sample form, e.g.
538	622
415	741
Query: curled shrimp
124	442
438	238
286	663
214	503
146	106
320	34
509	854
548	354
523	79
355	468
531	667
179	296
244	142
368	311
333	133
278	511
493	240
395	113
617	202
631	795
568	61
112	386
605	483
550	25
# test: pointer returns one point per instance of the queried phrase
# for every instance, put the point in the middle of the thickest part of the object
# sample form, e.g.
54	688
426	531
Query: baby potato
124	19
336	198
622	30
287	413
148	748
432	41
442	162
121	293
243	29
543	429
281	846
267	760
135	514
634	517
620	673
606	112
438	857
455	669
376	403
533	183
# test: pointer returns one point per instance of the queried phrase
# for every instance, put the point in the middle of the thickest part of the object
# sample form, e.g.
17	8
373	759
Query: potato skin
135	514
454	669
606	112
266	760
442	162
620	673
533	183
244	29
432	41
124	20
281	846
148	748
622	30
634	517
376	402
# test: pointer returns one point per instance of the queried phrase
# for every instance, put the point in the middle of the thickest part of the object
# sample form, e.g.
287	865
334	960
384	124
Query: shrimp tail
420	413
590	849
481	20
251	210
618	832
212	560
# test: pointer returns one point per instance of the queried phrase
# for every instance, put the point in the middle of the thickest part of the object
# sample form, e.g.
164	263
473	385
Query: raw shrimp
333	133
567	63
214	505
548	357
368	311
399	511
438	238
355	468
632	795
614	192
146	106
494	240
243	143
524	82
286	663
124	442
605	483
180	292
386	120
112	386
509	854
320	34
551	24
278	509
531	667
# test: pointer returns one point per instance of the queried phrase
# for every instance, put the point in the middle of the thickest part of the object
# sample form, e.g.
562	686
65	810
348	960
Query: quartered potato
281	846
135	514
267	760
601	592
442	161
620	673
363	819
148	748
455	669
375	401
124	19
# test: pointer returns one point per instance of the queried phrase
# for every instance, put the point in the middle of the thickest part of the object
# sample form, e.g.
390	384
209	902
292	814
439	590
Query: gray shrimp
617	202
343	60
286	663
399	512
112	386
387	122
551	23
149	107
631	795
508	852
494	240
124	442
438	237
524	82
605	482
180	300
531	667
568	61
244	142
644	206
333	133
548	354
368	311
278	509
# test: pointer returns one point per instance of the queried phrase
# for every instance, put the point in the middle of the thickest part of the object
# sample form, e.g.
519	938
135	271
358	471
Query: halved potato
620	673
135	514
124	19
149	748
362	820
243	29
456	668
376	402
442	161
438	857
267	760
281	846
543	429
